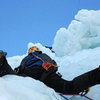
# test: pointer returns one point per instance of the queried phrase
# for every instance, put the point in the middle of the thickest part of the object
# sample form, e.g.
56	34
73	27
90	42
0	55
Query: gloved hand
2	57
2	54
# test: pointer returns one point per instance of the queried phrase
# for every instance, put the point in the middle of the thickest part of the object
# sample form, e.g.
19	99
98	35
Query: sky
36	21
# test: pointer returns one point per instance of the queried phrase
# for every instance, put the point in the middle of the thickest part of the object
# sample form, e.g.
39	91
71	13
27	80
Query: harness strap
38	57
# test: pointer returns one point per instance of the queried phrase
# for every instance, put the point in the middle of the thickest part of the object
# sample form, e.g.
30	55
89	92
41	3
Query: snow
77	50
82	33
20	88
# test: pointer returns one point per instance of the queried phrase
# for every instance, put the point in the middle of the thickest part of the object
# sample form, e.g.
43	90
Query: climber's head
33	48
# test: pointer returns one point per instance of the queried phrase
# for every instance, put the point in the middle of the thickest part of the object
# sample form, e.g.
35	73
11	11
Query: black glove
2	53
2	57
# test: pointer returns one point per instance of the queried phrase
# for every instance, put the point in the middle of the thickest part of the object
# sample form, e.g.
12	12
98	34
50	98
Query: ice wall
82	33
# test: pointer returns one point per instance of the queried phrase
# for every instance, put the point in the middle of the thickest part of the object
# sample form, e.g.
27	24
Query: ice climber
41	67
